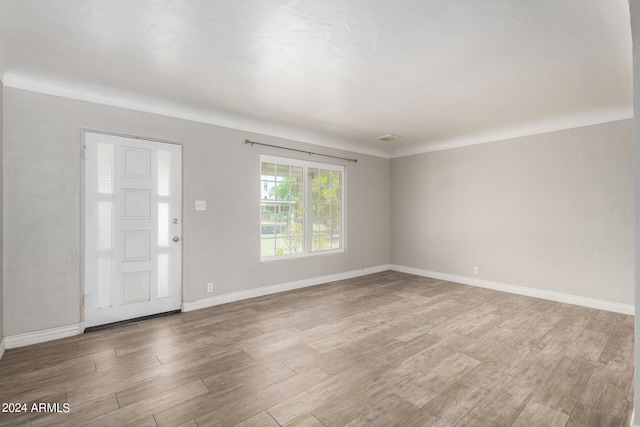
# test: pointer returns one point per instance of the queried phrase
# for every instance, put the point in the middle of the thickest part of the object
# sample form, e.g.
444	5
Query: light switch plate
201	205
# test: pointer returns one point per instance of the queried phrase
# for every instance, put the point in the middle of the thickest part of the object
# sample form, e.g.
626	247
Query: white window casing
302	208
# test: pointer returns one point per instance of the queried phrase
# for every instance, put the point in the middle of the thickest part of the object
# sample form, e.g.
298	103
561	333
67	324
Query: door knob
176	239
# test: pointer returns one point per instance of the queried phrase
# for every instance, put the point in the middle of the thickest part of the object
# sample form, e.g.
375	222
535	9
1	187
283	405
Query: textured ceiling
334	73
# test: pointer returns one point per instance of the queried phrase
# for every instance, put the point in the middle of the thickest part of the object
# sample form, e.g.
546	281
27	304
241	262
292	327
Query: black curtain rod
300	151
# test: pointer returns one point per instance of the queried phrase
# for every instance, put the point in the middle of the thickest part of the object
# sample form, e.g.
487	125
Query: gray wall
635	32
552	212
42	145
1	222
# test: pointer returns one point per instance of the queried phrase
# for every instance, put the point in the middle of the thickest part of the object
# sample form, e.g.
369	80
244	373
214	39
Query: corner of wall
520	290
634	12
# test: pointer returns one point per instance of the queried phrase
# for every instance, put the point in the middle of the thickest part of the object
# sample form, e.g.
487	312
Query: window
301	208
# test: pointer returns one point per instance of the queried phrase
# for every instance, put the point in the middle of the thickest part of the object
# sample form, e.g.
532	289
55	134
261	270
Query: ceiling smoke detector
389	137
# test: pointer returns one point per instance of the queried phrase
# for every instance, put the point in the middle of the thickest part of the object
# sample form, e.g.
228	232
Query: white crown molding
274	289
576	121
130	101
3	347
44	335
521	290
122	99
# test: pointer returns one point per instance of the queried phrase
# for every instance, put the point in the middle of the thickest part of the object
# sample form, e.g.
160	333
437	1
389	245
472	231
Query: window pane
336	210
268	171
268	190
292	192
164	163
105	214
268	247
296	245
268	211
163	225
324	210
324	178
298	191
312	175
325	242
297	227
283	246
296	173
325	226
336	242
282	171
321	243
105	168
336	226
281	190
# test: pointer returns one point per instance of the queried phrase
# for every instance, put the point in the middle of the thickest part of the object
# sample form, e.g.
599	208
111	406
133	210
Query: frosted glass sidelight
163	225
163	275
105	215
105	168
104	282
164	168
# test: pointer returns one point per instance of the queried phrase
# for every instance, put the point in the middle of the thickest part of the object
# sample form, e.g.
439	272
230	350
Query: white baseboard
273	289
633	415
521	290
37	337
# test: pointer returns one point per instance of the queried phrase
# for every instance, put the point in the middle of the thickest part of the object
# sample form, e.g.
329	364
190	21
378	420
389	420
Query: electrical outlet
476	271
209	287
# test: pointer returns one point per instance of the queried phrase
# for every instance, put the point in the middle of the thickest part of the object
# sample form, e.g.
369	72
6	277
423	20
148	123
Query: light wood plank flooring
380	350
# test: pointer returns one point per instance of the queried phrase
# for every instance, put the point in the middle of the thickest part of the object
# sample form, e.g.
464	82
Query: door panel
133	227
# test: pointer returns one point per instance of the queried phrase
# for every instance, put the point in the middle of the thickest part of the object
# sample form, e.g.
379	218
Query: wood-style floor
380	350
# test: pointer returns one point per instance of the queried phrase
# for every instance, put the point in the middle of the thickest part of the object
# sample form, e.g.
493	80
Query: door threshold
129	321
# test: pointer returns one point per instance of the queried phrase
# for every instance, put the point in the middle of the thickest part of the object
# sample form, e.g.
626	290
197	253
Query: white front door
133	228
